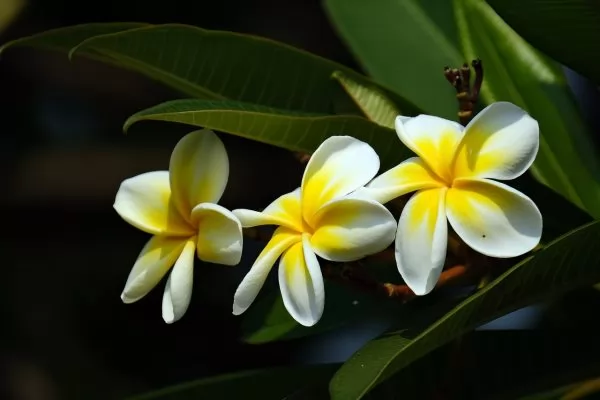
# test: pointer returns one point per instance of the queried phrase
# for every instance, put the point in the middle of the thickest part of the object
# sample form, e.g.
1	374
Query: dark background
65	254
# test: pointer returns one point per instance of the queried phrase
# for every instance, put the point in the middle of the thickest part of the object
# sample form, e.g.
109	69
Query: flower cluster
337	213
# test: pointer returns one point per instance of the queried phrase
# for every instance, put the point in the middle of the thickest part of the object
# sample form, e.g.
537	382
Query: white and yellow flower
453	178
318	219
179	208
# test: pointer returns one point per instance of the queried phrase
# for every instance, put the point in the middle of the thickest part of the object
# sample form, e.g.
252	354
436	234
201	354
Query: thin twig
467	97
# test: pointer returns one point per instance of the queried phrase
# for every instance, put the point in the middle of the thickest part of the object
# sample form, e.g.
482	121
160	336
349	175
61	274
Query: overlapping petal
156	258
421	240
501	142
408	176
248	289
284	211
433	139
301	283
199	170
145	202
492	218
351	228
219	234
178	291
340	165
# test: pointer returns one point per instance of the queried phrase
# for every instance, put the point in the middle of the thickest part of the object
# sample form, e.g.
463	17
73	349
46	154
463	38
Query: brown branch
453	276
352	274
467	97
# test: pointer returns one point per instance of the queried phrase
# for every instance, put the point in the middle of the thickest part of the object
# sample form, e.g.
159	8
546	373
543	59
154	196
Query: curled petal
219	234
199	170
340	165
284	211
421	240
433	139
155	259
301	283
501	142
408	176
248	289
492	218
145	202
178	291
348	229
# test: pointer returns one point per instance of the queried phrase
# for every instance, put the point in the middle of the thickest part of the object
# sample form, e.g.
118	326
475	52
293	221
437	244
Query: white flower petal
421	240
350	228
492	218
404	119
145	202
248	289
433	139
284	211
410	175
301	283
178	291
155	259
501	142
340	165
199	170
219	234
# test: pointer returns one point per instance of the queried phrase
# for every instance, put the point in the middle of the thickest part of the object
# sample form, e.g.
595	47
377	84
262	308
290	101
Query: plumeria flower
453	178
318	219
179	208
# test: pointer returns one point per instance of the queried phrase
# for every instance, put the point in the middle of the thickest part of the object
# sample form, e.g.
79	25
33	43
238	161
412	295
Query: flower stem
467	96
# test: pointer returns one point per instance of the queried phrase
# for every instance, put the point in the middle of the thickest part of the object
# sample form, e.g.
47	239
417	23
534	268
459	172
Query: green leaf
217	65
516	72
566	263
372	101
259	384
292	130
63	39
268	320
403	45
566	30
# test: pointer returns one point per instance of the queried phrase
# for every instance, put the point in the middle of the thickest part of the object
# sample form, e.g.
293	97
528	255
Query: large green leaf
405	45
266	384
566	263
566	30
292	130
64	39
566	161
499	364
215	65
